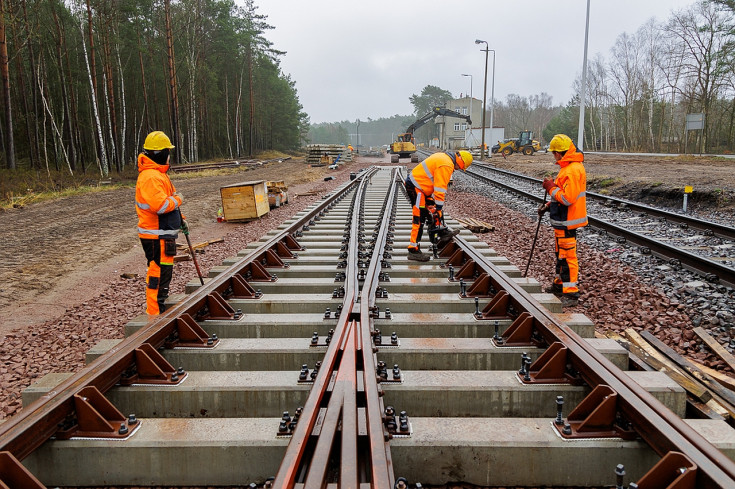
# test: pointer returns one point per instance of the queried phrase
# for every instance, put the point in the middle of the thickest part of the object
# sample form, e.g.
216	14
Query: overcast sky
358	59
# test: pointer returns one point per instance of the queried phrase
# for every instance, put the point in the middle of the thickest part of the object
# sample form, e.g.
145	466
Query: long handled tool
185	230
533	246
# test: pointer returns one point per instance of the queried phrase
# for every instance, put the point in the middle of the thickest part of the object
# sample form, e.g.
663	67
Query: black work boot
416	255
445	236
568	300
554	289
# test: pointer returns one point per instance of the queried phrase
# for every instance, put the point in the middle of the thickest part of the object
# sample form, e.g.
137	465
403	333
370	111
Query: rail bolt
619	475
394	338
559	405
123	429
132	419
401	483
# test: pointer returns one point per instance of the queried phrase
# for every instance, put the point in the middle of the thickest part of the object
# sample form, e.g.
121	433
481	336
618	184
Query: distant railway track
704	247
320	357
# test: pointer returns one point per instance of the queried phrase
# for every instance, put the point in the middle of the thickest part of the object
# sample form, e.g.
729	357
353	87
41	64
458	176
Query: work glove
184	227
177	194
548	184
542	209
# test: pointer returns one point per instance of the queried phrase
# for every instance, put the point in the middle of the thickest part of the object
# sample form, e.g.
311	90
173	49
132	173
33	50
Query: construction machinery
523	144
405	145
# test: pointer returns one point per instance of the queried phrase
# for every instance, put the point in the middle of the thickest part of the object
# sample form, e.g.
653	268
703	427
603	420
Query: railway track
320	357
704	247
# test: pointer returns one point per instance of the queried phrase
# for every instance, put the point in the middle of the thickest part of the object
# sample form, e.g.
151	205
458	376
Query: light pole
583	89
484	100
358	136
463	74
492	100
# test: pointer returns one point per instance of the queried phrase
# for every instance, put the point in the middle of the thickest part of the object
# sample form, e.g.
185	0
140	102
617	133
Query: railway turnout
320	357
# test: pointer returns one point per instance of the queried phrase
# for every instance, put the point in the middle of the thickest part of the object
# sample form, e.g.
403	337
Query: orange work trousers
567	265
419	214
159	254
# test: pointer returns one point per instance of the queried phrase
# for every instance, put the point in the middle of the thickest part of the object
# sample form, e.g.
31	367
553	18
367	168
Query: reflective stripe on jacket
432	175
568	208
157	207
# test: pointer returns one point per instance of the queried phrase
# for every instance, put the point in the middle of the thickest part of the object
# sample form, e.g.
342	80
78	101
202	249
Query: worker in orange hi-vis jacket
427	187
159	217
568	206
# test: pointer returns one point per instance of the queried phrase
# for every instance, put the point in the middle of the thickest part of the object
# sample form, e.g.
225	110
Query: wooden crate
244	201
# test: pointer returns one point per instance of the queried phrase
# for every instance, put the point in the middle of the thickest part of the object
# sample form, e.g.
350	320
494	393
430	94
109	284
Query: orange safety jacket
158	209
431	177
568	208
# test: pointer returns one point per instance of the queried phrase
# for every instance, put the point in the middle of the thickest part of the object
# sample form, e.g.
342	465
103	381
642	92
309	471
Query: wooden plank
721	377
640	347
633	359
716	347
727	397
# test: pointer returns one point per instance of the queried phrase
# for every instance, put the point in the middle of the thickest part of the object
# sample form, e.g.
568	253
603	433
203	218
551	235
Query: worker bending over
159	218
568	206
427	187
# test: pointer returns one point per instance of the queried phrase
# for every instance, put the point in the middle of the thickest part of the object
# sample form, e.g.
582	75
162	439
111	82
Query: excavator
405	145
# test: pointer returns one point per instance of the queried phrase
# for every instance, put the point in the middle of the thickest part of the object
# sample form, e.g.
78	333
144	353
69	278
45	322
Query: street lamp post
358	136
492	99
484	99
463	74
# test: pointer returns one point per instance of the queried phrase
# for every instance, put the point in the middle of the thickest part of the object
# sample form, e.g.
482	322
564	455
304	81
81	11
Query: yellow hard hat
560	143
156	141
466	158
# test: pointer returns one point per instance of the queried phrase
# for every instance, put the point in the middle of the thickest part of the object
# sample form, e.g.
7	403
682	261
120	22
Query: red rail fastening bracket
596	416
270	259
213	307
521	332
498	308
482	287
448	251
239	288
674	471
255	272
151	368
292	244
96	417
188	334
456	259
13	475
551	367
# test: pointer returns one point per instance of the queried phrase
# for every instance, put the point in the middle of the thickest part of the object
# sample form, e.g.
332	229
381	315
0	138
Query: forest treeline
85	81
638	96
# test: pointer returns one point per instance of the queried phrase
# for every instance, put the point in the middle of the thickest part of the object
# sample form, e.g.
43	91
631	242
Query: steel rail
350	356
655	423
39	421
716	228
297	459
700	265
380	456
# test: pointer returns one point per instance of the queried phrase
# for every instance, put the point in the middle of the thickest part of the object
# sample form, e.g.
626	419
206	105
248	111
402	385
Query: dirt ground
656	180
60	253
57	254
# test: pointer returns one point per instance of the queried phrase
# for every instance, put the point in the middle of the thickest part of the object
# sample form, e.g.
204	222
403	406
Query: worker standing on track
568	206
159	217
427	187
